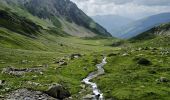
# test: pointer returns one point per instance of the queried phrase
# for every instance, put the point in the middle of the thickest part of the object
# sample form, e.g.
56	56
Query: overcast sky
128	8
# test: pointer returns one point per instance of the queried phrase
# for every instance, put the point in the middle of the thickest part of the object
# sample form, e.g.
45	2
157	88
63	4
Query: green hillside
37	51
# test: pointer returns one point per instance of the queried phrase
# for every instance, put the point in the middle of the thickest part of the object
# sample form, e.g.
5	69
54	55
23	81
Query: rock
25	94
7	89
89	97
2	82
125	54
62	63
19	71
83	86
41	73
73	56
34	83
163	79
139	49
58	91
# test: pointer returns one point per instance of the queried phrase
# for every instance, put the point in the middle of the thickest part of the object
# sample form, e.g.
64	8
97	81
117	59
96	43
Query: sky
134	9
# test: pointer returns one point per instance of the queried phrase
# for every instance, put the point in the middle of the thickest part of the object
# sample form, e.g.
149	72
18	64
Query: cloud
128	8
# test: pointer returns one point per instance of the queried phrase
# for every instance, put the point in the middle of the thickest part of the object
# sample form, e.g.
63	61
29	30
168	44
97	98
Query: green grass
46	49
124	78
127	80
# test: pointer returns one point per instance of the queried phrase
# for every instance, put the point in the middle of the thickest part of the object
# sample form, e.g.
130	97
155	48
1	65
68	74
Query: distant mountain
161	30
62	14
112	22
140	26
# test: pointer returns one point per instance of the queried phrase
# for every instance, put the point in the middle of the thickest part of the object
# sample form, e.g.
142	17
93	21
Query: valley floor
135	70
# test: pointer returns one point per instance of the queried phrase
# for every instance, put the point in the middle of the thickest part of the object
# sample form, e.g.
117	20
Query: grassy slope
46	49
125	79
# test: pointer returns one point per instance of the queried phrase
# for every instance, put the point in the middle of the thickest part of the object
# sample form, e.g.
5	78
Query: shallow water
97	93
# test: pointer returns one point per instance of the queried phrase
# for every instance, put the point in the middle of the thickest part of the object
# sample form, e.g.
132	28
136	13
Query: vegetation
136	69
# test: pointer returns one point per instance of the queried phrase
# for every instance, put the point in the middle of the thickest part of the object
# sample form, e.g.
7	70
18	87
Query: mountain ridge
56	11
145	24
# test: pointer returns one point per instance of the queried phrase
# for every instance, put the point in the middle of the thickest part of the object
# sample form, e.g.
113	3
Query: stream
97	93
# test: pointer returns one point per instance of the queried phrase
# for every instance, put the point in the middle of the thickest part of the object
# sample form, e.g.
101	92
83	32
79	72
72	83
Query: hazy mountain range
122	27
112	22
140	26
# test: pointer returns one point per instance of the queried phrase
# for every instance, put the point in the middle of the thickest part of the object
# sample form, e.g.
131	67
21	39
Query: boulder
58	91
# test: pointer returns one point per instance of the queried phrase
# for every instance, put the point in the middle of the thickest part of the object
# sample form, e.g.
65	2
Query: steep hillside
143	25
18	24
161	30
112	22
59	12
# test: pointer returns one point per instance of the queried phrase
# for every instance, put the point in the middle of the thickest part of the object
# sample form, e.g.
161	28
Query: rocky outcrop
25	94
20	71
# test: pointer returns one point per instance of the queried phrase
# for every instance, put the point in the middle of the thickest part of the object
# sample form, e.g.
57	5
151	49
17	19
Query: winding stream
97	94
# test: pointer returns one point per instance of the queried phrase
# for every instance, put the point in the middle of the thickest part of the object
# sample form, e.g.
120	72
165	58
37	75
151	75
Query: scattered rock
125	54
2	82
58	91
89	97
7	89
34	83
162	79
83	86
20	71
62	63
139	49
25	94
41	73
